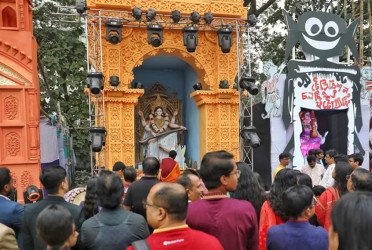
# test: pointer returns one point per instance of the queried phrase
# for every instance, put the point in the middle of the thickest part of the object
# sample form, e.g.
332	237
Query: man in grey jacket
113	227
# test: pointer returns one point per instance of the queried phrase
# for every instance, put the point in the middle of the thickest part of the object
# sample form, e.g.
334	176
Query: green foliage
62	67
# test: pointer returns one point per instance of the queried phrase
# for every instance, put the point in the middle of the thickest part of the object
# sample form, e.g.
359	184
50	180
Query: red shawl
323	207
268	218
170	170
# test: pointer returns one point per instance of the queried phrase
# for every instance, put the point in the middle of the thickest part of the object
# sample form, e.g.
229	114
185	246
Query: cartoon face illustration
321	34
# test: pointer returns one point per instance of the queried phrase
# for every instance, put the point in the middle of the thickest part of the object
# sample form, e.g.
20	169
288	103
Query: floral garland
165	125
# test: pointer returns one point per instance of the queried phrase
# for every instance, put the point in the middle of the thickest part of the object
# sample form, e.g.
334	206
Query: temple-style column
218	120
120	140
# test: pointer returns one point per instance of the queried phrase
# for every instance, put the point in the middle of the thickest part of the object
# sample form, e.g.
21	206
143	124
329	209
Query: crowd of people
223	205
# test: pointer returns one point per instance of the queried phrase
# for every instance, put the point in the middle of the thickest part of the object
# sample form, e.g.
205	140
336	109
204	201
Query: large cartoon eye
313	26
331	29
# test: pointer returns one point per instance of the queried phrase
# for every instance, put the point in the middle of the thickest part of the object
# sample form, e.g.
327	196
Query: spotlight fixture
138	85
97	138
95	82
250	136
224	84
248	83
114	81
155	34
197	86
137	13
150	15
176	16
32	194
195	17
113	31
81	7
225	39
190	38
208	18
252	20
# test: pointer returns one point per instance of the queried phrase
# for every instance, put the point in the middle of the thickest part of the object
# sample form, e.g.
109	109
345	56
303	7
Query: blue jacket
297	235
11	215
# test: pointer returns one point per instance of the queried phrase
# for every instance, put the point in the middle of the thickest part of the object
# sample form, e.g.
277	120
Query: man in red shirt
233	222
170	170
166	208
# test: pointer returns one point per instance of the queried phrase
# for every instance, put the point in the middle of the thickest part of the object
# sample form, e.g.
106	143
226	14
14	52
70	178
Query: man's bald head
172	197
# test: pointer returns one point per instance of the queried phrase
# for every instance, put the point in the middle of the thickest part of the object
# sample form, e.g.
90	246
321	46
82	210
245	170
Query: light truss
93	30
245	99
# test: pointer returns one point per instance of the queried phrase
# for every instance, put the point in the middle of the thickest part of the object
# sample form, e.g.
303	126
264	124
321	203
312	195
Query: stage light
190	38
176	16
97	138
95	82
113	31
138	85
224	84
155	34
137	13
32	194
250	135
150	15
197	86
248	83
81	7
114	81
252	20
195	17
225	39
208	18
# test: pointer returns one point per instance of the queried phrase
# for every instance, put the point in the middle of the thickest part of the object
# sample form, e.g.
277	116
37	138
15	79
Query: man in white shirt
327	180
314	170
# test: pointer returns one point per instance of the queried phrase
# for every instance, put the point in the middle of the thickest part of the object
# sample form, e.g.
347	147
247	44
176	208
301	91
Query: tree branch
47	86
264	7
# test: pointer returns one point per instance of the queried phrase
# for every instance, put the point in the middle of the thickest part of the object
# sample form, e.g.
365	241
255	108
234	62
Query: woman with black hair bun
90	205
248	188
272	211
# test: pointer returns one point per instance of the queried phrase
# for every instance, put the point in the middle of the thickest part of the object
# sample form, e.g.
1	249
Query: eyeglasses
313	203
237	173
144	203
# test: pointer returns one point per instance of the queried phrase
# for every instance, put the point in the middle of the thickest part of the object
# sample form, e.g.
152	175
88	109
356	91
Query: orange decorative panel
19	96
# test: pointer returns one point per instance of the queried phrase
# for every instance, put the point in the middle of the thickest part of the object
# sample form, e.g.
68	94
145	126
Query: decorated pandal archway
218	109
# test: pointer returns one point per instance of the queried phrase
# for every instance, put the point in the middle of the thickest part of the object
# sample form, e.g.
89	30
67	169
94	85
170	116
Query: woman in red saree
328	198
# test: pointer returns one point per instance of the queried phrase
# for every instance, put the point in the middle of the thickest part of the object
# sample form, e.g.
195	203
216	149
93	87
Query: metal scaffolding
362	9
245	99
93	30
